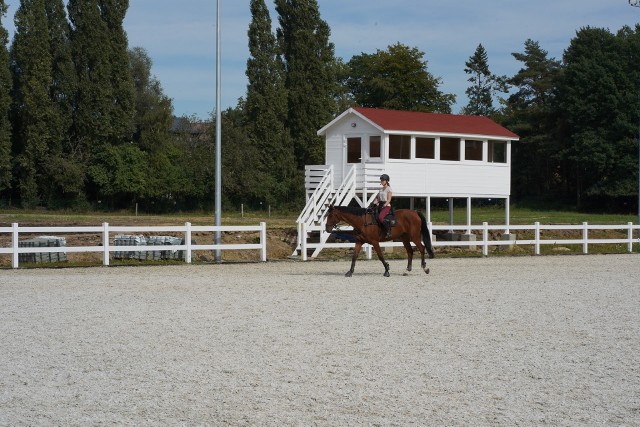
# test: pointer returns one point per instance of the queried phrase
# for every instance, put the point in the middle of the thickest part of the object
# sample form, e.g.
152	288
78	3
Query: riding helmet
385	177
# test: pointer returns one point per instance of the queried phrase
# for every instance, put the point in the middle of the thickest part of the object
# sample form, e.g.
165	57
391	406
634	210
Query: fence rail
485	242
107	247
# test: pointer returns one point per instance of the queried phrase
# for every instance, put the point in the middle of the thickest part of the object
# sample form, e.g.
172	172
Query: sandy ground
519	341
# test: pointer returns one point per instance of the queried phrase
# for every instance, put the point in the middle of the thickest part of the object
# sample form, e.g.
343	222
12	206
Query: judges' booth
427	155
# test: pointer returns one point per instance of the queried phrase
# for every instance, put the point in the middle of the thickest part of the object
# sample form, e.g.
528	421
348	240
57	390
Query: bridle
335	221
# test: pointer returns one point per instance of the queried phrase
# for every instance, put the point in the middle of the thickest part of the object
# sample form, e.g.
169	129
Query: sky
180	37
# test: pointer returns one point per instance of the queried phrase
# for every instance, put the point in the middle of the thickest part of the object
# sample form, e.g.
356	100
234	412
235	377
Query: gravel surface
552	340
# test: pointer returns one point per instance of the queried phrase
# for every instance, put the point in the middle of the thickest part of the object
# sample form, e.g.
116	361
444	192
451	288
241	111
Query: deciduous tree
398	79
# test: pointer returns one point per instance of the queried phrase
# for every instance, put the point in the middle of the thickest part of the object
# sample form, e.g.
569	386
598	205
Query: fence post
630	237
105	243
187	241
585	238
15	245
303	241
263	241
537	238
485	238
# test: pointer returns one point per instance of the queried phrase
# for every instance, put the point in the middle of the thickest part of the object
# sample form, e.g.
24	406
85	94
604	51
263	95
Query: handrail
317	198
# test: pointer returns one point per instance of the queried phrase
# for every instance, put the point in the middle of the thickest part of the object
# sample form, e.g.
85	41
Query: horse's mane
351	210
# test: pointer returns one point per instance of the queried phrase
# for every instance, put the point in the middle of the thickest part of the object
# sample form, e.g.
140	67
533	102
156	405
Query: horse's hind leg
409	249
422	248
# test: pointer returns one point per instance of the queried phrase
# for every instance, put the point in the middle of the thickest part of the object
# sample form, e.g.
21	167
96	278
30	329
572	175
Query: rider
383	201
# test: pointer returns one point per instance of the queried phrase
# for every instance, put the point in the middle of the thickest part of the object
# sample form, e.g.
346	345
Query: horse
411	227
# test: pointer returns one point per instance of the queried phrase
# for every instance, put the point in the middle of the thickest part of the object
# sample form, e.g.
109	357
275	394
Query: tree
5	106
309	60
67	172
122	111
105	100
266	111
484	85
396	79
153	120
599	84
94	96
33	109
530	113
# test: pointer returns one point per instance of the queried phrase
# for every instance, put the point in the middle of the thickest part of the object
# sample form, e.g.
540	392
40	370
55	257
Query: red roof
393	120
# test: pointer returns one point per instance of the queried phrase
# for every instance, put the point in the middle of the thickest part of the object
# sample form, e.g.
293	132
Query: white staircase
320	180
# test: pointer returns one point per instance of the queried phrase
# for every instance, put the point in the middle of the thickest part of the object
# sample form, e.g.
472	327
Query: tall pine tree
484	85
266	110
33	110
123	95
68	180
529	112
310	67
5	106
94	96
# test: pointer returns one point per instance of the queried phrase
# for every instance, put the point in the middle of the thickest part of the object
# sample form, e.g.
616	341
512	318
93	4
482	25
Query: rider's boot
387	229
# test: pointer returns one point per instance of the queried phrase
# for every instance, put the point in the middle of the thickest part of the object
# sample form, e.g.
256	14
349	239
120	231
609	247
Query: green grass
278	219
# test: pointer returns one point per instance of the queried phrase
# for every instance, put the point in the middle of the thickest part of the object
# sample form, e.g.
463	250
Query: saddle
390	219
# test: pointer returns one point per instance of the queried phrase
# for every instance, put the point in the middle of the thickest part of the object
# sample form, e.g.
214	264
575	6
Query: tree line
84	124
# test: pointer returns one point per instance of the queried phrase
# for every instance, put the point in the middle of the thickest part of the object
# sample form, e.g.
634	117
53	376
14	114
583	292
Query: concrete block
469	238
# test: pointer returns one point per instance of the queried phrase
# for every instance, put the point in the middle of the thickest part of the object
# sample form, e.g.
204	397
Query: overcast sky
180	37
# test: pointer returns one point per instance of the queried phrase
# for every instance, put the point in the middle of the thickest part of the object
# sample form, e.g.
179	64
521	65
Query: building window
473	150
399	147
354	150
497	151
425	148
449	149
375	147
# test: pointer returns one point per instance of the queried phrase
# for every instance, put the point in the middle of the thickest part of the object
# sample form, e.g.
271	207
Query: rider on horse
383	202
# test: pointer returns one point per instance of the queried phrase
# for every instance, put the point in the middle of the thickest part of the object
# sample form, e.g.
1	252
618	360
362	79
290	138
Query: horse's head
332	219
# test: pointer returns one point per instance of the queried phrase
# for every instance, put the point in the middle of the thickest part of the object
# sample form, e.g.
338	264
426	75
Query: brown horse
411	227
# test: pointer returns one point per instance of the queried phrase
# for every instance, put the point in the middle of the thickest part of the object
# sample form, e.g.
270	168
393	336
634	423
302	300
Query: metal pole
636	3
218	252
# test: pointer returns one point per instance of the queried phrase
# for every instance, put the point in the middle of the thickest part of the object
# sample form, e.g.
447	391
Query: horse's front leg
356	252
376	246
409	249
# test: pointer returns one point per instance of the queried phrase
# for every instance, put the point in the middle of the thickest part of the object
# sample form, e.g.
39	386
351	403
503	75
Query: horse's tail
426	234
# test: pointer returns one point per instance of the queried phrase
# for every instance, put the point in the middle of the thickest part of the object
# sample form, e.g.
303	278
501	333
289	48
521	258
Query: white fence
485	243
106	247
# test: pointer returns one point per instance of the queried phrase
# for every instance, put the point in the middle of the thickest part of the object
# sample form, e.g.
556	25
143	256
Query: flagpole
218	178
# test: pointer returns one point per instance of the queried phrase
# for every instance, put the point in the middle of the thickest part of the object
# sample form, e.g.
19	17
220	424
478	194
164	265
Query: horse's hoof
349	274
386	274
426	271
408	268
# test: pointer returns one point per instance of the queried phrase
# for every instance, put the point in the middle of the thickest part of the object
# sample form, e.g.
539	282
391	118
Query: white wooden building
427	155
